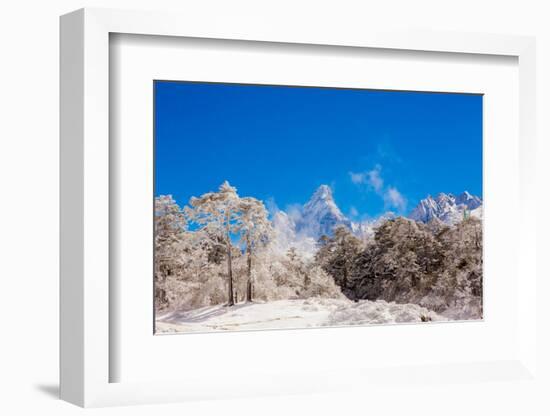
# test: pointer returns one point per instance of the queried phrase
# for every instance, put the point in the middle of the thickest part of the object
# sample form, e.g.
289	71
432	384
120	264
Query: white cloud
357	178
372	178
375	179
353	212
271	206
394	199
294	212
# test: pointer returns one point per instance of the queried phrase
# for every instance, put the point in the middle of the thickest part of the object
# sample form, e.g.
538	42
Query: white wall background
29	209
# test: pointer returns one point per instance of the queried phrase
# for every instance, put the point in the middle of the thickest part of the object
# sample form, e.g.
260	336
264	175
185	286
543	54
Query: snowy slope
447	208
286	314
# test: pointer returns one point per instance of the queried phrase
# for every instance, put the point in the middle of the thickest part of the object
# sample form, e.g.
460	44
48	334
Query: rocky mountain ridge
320	215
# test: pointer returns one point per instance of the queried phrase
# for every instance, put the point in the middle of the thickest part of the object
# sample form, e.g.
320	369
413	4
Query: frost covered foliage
432	265
291	276
221	250
337	255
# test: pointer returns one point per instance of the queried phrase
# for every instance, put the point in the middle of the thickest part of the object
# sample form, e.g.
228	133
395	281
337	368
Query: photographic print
280	207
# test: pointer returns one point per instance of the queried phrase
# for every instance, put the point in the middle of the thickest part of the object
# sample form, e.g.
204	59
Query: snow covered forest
223	262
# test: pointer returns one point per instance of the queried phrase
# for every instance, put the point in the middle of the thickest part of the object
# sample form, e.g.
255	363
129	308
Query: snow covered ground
286	314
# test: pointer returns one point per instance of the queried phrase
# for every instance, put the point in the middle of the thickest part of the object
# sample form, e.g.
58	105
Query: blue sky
378	150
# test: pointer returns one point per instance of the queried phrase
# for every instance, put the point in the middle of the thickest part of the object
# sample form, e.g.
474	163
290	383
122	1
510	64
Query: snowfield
288	314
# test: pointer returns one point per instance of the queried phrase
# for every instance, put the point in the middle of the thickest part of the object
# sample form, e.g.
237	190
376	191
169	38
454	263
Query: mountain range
321	214
447	208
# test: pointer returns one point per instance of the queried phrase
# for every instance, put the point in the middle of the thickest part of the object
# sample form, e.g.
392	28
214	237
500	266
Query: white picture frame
86	355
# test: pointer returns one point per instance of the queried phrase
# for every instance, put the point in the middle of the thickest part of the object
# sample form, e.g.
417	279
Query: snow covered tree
296	275
433	265
184	275
218	214
461	287
337	255
170	225
292	254
256	231
394	272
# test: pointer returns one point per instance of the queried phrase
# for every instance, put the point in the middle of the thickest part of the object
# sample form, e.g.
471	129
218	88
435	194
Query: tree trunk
345	281
249	263
345	256
230	298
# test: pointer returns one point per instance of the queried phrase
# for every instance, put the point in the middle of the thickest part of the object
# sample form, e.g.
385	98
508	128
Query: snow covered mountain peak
323	192
302	226
321	214
470	201
322	200
447	208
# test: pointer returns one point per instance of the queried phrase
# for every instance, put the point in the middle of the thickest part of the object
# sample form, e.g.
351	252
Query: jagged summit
320	214
322	199
471	201
447	208
323	192
303	227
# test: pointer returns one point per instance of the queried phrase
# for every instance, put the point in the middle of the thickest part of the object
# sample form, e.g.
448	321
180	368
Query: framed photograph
340	227
247	213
